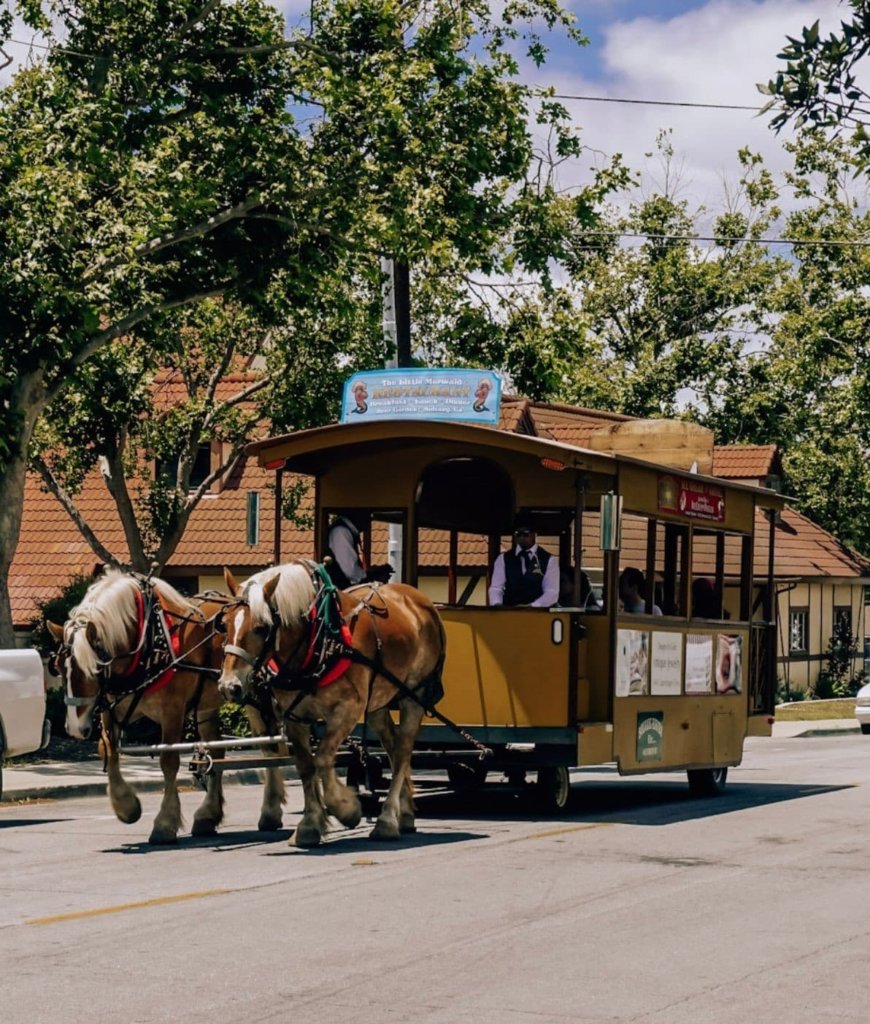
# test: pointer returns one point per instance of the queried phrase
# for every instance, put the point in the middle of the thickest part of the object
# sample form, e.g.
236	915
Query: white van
23	725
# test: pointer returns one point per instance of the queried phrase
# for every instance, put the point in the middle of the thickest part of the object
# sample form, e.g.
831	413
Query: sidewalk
54	780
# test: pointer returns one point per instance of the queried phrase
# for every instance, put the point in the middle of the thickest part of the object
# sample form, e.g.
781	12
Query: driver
525	575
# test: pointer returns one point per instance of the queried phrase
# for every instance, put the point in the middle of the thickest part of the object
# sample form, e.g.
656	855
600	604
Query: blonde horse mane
109	606
292	597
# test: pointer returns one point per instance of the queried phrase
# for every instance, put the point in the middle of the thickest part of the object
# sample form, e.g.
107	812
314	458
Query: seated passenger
705	603
525	575
344	556
588	600
632	592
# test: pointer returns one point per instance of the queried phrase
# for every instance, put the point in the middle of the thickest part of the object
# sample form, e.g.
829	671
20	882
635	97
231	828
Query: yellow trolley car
677	686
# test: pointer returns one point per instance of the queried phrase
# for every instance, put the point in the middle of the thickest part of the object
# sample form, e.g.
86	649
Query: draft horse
135	648
335	672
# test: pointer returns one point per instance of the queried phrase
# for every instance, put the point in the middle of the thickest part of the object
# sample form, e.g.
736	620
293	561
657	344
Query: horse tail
431	688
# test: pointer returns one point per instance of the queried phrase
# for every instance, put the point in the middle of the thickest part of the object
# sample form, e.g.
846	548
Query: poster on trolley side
472	396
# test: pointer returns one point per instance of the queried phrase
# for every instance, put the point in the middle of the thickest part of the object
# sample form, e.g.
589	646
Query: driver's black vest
520	587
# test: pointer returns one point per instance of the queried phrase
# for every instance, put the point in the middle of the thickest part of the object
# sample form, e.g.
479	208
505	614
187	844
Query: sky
703	51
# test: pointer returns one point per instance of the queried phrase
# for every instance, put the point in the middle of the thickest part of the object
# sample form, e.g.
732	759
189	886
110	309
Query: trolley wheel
463	776
358	778
707	781
370	805
553	789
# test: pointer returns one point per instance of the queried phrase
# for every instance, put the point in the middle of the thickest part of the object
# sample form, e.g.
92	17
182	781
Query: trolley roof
320	449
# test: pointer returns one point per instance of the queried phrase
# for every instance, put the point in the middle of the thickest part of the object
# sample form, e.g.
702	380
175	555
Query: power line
654	103
806	242
51	46
555	96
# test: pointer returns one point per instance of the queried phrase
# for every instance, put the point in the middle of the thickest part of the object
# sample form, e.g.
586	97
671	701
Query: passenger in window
344	559
705	602
526	575
632	592
588	600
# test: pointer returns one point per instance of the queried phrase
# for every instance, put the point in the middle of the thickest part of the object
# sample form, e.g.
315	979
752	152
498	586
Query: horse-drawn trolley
677	678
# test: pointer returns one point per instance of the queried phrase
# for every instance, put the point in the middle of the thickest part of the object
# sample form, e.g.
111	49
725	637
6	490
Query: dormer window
168	470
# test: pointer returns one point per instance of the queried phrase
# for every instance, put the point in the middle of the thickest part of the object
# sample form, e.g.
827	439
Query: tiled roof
512	415
51	550
170	390
565	422
804	549
745	461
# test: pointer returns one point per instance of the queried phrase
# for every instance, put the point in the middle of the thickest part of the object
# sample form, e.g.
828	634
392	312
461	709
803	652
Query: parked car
862	708
23	725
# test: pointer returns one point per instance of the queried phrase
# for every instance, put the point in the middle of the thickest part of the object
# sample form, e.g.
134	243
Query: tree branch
54	487
122	327
112	472
170	541
198	230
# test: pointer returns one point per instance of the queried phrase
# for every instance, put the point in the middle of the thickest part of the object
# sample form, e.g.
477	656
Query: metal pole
395	309
279	483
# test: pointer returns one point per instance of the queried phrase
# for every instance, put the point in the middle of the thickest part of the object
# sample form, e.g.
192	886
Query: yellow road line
119	908
564	831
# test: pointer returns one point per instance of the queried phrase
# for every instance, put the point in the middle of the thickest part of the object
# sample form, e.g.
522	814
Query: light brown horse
135	648
394	627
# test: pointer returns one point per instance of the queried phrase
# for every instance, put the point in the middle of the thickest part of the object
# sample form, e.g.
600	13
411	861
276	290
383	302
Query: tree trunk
27	402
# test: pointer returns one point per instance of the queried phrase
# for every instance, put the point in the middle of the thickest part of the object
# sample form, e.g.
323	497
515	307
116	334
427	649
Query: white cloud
715	53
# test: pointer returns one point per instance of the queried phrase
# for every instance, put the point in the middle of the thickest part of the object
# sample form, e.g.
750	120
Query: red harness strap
140	615
342	664
175	643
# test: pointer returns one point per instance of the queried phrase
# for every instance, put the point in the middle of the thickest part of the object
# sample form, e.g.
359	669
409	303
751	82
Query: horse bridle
267	633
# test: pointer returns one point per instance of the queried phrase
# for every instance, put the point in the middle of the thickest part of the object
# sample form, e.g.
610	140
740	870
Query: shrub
234	722
56	609
786	694
837	678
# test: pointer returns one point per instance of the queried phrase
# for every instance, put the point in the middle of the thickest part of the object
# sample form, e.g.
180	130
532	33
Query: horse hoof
407	825
204	827
305	837
130	816
352	818
160	838
268	823
384	830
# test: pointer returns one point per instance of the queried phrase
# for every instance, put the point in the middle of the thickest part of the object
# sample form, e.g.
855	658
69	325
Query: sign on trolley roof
471	396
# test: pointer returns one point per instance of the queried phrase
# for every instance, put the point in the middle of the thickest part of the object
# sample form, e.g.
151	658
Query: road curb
11	795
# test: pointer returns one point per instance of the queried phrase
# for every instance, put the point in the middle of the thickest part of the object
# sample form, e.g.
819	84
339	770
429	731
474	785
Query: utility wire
843	242
52	46
653	103
555	96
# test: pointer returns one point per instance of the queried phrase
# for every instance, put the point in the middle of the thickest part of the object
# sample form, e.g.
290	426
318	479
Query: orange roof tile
51	550
745	461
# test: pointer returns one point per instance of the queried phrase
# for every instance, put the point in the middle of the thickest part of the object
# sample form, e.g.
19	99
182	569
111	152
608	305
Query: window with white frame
797	630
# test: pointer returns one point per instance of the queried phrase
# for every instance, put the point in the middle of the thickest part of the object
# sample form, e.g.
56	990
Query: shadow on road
623	801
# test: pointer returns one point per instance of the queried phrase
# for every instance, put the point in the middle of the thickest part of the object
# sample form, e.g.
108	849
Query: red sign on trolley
691	498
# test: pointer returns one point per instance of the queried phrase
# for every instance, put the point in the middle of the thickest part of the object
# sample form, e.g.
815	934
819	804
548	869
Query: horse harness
155	659
329	652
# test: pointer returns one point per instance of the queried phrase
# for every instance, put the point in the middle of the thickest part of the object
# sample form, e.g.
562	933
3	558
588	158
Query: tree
808	388
134	180
821	85
164	155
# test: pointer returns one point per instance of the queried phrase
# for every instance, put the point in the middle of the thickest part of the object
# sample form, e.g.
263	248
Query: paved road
640	905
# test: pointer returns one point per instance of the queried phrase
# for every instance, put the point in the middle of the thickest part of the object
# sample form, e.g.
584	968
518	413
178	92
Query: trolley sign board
691	498
469	395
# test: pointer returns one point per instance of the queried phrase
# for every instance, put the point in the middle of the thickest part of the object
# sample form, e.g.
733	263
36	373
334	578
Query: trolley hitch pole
193	748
